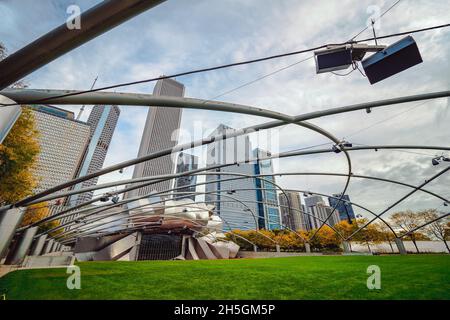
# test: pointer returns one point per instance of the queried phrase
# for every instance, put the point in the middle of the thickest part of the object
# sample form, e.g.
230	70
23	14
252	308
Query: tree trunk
446	245
415	245
390	244
368	246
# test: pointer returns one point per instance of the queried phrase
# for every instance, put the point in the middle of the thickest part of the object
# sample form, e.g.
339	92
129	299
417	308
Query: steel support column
48	246
20	250
346	246
9	222
307	247
53	247
38	245
400	246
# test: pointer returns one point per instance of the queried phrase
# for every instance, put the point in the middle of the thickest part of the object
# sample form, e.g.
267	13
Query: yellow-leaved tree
18	156
37	212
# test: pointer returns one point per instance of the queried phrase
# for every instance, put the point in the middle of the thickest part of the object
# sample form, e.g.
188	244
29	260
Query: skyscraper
160	132
186	162
266	192
102	121
313	200
235	200
319	211
345	208
293	217
63	141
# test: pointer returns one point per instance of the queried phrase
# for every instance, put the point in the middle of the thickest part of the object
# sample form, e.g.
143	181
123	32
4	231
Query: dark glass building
266	192
344	207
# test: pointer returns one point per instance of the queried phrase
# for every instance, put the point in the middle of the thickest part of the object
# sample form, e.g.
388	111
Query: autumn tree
289	240
407	221
370	235
439	229
34	213
3	52
324	239
346	229
37	212
385	234
18	155
367	235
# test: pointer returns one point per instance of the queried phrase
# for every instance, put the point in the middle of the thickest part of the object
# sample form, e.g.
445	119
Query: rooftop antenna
82	107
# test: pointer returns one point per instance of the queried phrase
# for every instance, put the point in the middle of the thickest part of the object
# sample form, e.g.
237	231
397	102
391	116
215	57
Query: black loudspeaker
333	59
396	58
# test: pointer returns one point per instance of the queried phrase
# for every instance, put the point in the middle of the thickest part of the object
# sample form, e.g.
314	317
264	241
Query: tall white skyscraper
159	133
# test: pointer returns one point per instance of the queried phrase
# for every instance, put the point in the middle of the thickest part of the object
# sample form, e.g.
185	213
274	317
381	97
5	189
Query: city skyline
295	90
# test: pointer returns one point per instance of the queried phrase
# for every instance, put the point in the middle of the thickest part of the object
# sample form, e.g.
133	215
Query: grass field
309	277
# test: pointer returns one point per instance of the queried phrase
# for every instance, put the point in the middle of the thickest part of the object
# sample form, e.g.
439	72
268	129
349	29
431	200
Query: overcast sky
183	35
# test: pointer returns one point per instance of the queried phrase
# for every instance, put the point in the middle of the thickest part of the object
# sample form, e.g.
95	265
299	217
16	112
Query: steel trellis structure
107	15
280	174
282	119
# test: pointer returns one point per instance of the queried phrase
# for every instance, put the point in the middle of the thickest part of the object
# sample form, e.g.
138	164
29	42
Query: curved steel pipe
273	156
106	207
400	200
19	94
213	192
184	205
29	96
164	102
361	106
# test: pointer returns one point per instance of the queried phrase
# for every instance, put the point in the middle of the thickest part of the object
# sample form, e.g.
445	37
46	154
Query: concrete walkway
7	269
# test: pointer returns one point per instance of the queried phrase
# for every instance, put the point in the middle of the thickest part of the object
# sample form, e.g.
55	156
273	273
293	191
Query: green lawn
309	277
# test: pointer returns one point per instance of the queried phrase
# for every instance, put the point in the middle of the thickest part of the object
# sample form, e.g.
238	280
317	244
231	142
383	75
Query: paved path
6	269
